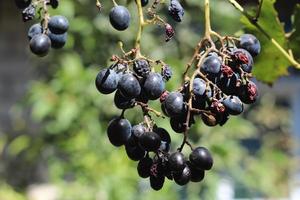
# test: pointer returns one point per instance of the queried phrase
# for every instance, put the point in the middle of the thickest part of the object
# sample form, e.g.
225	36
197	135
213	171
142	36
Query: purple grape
129	86
233	105
176	11
211	65
107	81
201	158
119	17
154	86
250	43
119	131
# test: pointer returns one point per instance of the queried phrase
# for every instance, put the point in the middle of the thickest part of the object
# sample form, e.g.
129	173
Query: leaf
294	39
270	64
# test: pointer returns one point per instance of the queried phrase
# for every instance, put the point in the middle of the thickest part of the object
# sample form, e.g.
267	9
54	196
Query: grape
209	120
177	162
119	17
201	158
199	87
144	166
233	105
182	178
142	97
166	72
244	59
57	40
211	65
150	141
169	31
138	131
119	131
144	2
134	152
178	124
176	11
58	24
35	29
250	43
248	93
21	4
157	183
228	84
197	175
157	177
122	102
163	134
129	86
154	86
198	103
174	104
40	45
165	139
141	68
107	81
28	13
54	3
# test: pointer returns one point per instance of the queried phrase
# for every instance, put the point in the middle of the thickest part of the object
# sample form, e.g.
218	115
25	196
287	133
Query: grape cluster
51	32
119	16
218	88
136	84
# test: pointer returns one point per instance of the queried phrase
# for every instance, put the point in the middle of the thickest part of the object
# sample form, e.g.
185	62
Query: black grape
122	102
154	86
211	65
176	11
233	105
129	86
58	40
201	158
150	141
174	104
250	43
197	175
144	166
107	81
119	17
176	161
183	177
58	24
40	45
119	131
34	30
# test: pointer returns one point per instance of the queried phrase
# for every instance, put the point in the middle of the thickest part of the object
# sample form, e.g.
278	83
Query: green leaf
270	64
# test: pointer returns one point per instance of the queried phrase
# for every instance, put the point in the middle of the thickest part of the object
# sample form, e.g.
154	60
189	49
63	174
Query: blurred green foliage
69	141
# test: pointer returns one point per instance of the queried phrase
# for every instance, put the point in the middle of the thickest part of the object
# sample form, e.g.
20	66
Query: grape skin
154	86
119	131
107	81
250	43
119	17
58	24
40	45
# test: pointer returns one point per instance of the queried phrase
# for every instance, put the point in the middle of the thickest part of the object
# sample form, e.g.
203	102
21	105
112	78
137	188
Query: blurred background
53	141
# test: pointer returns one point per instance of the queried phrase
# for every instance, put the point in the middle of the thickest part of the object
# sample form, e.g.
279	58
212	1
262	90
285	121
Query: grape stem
200	58
147	109
287	54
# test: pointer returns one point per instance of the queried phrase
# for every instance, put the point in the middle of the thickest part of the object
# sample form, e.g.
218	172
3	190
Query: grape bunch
51	32
119	16
219	87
